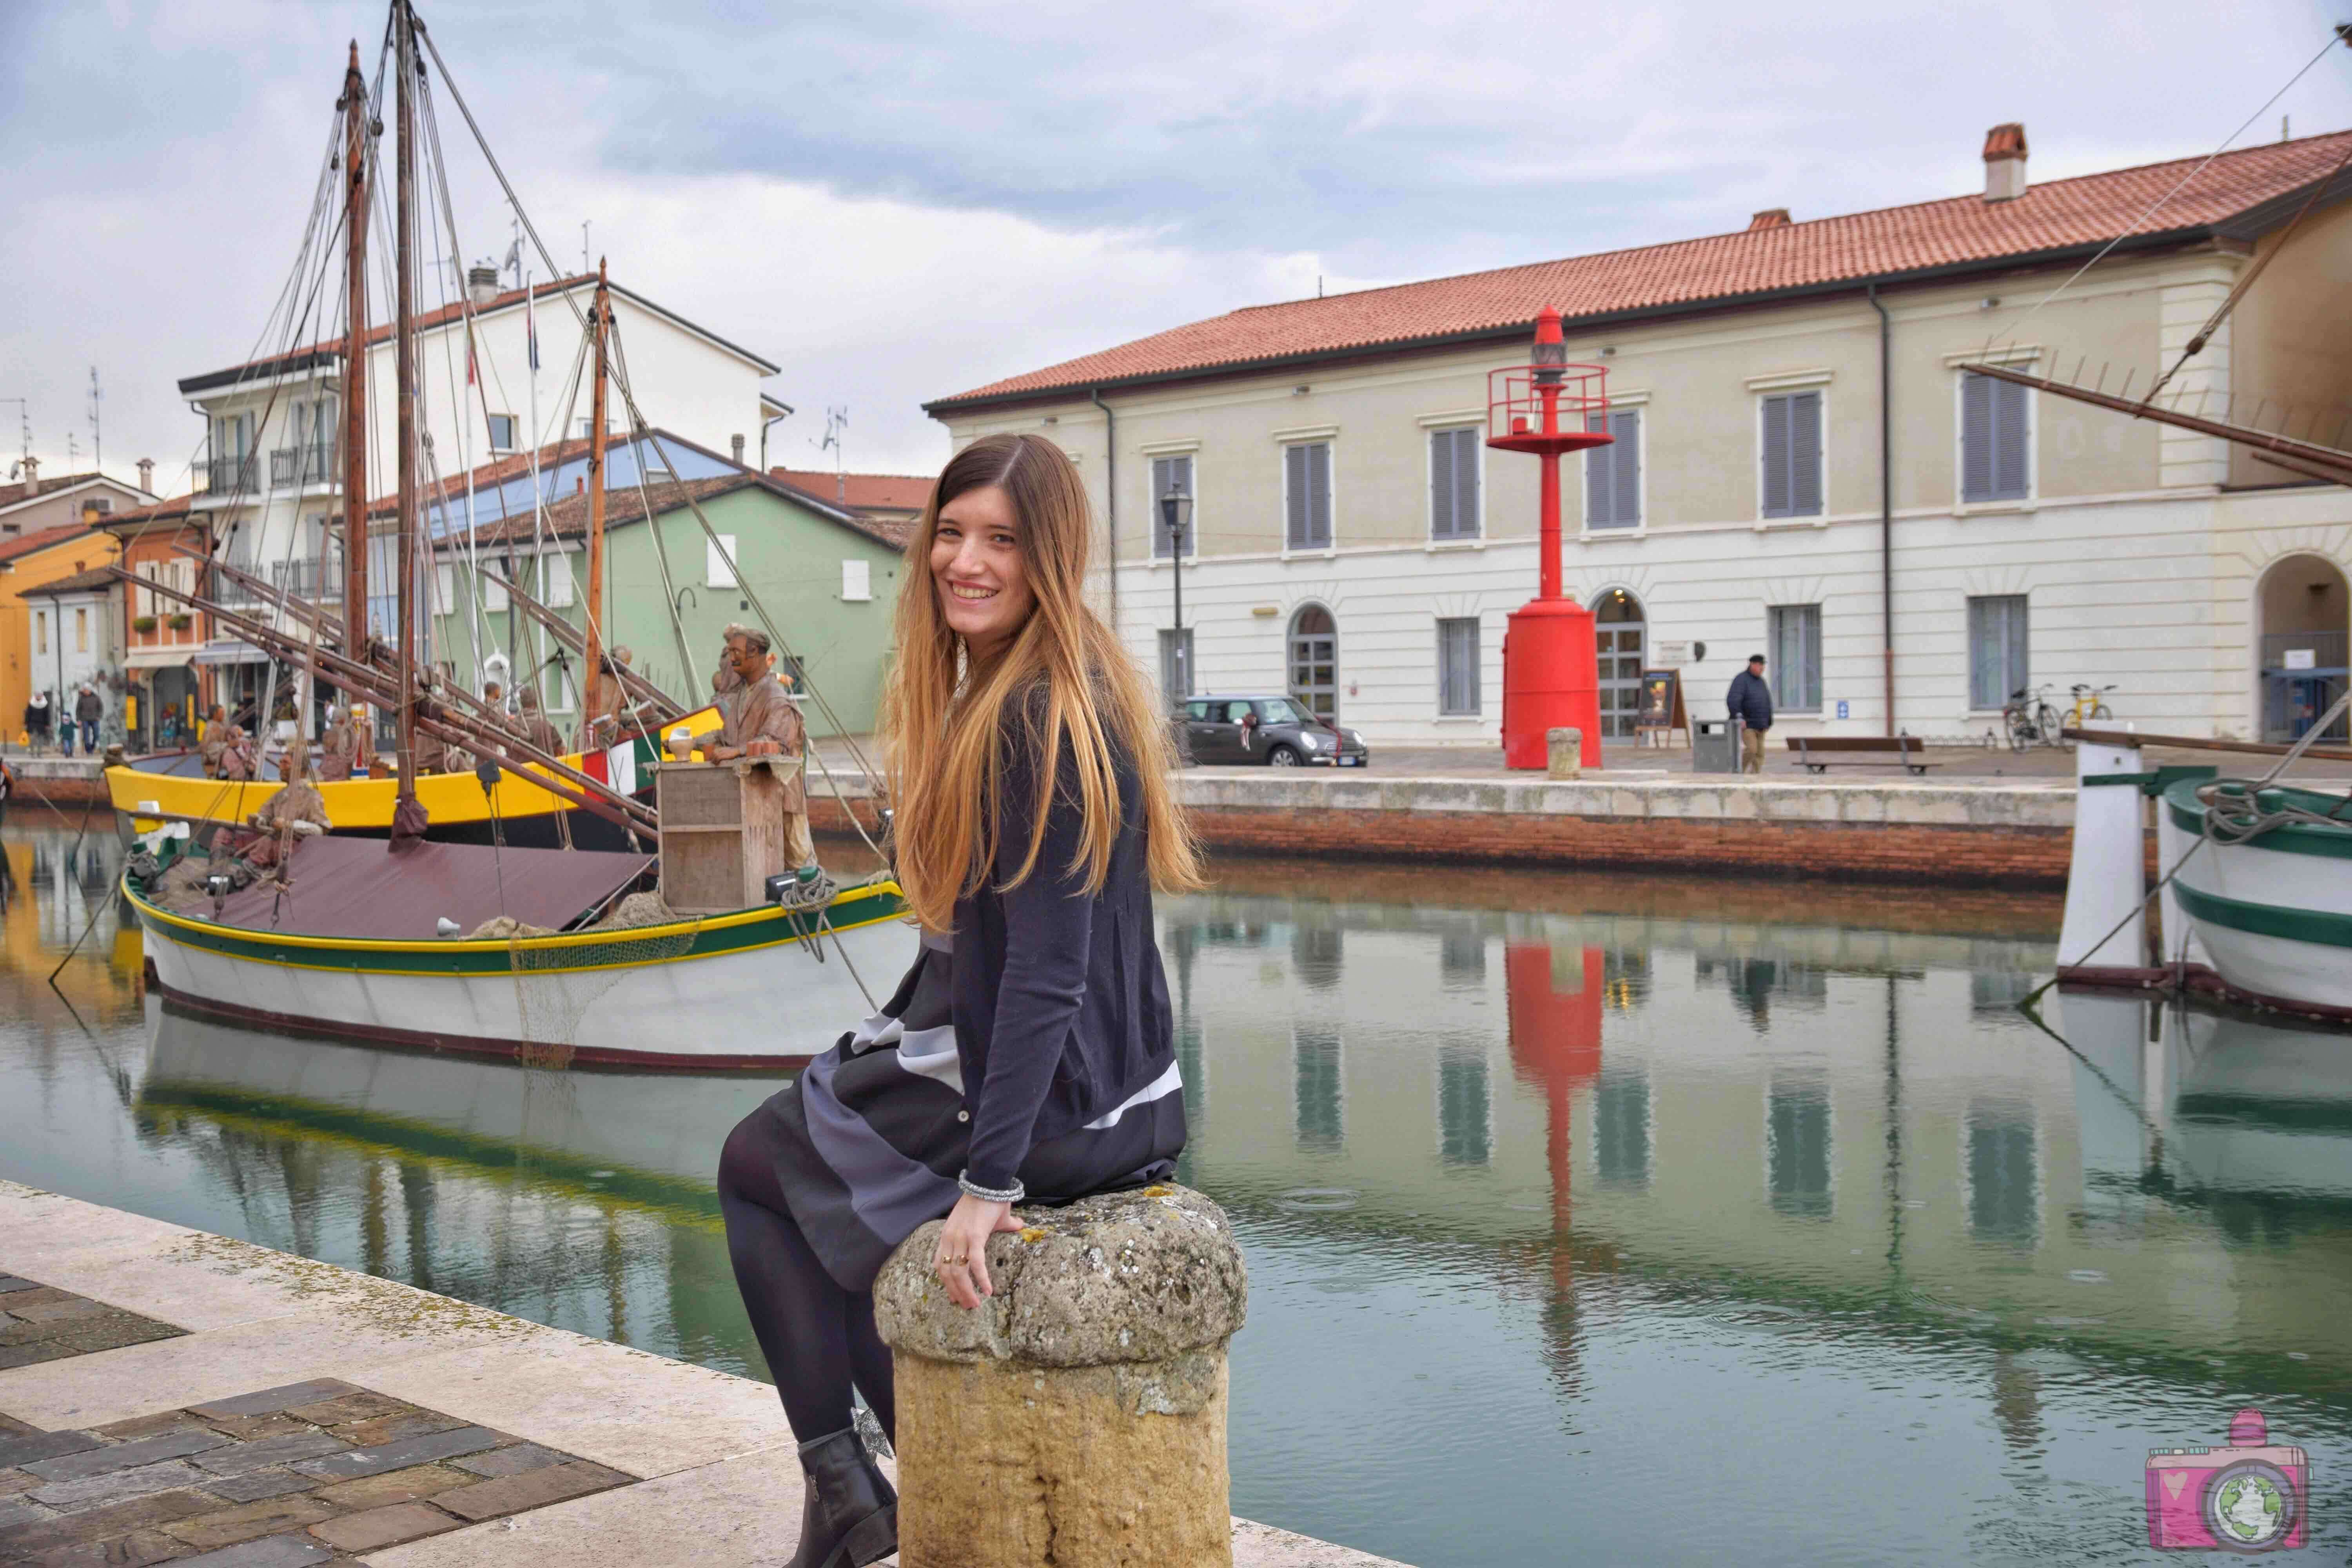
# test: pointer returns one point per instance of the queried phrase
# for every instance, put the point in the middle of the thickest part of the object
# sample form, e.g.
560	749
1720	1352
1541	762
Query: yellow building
35	560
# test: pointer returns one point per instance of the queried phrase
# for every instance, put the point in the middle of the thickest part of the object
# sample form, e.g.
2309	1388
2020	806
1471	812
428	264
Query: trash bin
1715	746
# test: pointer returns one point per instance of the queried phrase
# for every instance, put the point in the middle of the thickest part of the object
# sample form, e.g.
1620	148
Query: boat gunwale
2288	839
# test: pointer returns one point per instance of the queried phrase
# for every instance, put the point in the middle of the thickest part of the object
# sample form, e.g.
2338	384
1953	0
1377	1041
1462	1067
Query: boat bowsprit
538	967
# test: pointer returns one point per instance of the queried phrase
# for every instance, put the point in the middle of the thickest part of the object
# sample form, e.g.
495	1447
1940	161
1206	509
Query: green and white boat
2271	914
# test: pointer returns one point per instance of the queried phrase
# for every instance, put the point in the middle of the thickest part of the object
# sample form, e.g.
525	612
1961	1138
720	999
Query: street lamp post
1176	516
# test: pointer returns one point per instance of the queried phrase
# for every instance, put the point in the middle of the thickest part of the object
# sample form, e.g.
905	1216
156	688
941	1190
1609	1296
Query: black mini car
1278	731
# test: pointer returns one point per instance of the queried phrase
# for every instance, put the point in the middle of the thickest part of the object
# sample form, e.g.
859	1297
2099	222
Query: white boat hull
2245	902
728	993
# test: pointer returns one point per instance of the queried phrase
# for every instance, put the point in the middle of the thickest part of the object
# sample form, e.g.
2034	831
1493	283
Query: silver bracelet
1011	1194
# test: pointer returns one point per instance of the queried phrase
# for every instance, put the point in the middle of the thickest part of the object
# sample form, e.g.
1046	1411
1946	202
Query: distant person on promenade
1751	703
88	709
36	722
1029	1056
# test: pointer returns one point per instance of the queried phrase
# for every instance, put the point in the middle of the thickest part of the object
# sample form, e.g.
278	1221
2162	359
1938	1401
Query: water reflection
1549	1187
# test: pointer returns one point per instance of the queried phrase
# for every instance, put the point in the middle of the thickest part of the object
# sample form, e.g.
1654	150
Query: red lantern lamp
1551	672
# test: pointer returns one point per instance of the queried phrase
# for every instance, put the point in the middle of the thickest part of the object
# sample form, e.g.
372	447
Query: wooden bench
1821	752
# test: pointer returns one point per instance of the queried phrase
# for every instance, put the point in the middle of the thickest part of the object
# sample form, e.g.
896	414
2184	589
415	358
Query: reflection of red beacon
1555	997
1550	677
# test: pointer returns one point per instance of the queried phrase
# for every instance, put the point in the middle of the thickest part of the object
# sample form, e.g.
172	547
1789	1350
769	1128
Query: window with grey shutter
1454	457
1613	475
1792	455
1997	649
1307	495
1995	459
1457	665
1793	637
1176	472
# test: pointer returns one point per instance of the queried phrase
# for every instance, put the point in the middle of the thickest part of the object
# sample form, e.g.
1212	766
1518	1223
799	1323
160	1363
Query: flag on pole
469	355
531	321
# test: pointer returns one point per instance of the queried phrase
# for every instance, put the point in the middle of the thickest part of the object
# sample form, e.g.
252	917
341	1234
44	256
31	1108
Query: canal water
1596	1218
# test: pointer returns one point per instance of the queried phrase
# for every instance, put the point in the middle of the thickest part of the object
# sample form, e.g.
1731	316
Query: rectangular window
1792	455
1306	495
445	590
719	561
41	631
1793	637
1175	665
2004	1188
503	432
1621	1129
1457	665
856	581
1465	1133
494	587
555	579
1454	457
1996	646
81	631
1320	1103
1613	475
1993	442
1797	1147
1173	473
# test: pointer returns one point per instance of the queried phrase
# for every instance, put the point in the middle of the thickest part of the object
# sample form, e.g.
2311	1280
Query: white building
271	480
1350	519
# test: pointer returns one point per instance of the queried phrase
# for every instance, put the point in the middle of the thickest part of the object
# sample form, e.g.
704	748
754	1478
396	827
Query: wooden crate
723	832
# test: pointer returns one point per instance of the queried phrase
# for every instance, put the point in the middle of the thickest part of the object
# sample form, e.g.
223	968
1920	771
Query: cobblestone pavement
312	1472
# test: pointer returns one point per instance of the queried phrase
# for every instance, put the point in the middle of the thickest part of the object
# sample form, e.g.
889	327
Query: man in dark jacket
88	709
1750	701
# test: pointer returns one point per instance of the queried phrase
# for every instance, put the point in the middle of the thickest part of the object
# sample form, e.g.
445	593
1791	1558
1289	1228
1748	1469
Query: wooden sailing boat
498	948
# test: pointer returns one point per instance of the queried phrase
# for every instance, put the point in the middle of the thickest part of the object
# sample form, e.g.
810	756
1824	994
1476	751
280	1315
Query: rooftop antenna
583	245
97	445
513	262
23	430
836	420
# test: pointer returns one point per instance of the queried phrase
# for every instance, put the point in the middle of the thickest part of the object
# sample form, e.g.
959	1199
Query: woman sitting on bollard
1029	1054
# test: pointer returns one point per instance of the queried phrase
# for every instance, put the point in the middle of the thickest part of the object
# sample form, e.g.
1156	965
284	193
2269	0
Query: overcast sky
899	200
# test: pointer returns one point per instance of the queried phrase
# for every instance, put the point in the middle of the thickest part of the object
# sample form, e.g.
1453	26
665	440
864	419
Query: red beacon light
1551	670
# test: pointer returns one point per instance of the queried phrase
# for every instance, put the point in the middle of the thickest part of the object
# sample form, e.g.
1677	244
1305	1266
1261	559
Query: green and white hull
758	990
2272	916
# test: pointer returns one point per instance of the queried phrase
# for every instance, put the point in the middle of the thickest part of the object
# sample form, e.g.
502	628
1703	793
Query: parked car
1278	731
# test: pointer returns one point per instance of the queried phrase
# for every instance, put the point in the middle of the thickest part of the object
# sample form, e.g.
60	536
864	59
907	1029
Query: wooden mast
599	316
356	137
404	347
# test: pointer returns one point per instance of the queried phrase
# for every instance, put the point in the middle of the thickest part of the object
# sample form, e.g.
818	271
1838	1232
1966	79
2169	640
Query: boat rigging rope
661	545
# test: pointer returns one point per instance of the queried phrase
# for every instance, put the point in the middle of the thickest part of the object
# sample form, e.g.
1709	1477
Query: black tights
819	1339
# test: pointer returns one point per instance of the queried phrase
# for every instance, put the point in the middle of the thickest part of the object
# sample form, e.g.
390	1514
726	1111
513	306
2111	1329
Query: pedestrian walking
88	709
1750	701
38	713
1029	1054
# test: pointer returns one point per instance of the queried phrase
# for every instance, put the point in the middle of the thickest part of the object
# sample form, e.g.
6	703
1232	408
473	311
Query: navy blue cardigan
1059	1001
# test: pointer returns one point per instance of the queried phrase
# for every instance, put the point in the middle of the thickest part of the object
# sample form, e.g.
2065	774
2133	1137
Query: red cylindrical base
1550	680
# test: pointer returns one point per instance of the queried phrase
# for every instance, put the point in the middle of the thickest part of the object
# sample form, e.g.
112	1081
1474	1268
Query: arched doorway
2303	608
1619	639
1315	660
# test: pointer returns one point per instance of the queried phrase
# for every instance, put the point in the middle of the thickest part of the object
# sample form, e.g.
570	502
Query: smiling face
978	570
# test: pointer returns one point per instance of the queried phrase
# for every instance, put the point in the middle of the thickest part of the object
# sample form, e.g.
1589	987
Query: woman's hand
960	1259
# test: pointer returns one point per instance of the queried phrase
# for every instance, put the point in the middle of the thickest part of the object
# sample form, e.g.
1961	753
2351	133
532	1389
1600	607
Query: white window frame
1477	667
1461	1049
1477	535
40	632
548	579
490	431
1628	402
857	579
492	585
1962	505
1968	651
1780	661
720	571
1326	436
1762	387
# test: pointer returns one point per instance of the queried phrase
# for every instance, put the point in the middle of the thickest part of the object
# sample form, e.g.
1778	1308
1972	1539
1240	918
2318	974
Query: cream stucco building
1334	447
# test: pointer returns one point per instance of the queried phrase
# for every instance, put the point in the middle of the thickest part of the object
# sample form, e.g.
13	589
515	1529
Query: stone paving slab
280	1347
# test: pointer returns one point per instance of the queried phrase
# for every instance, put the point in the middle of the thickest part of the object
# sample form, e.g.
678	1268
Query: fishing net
556	987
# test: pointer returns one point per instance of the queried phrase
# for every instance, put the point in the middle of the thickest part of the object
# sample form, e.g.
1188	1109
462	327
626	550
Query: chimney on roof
1770	218
737	442
32	476
147	475
481	285
2004	160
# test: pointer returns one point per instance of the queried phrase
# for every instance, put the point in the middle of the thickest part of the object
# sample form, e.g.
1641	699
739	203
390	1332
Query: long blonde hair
943	714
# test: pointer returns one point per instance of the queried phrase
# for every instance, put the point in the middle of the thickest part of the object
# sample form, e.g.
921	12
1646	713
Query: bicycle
2087	707
2029	720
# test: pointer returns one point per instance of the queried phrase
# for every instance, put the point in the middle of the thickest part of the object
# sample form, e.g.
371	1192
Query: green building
826	577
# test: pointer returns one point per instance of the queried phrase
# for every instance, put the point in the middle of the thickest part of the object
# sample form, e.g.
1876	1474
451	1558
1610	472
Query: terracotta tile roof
11	494
172	510
863	492
79	583
28	543
567	515
329	348
1956	233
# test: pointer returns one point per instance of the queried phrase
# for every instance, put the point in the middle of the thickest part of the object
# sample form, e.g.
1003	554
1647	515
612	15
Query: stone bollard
1078	1415
1565	753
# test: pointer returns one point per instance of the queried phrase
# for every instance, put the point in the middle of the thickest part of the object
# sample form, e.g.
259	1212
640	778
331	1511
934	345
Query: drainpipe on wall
1885	499
1111	492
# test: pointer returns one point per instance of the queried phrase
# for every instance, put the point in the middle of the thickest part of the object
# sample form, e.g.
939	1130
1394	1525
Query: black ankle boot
851	1516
